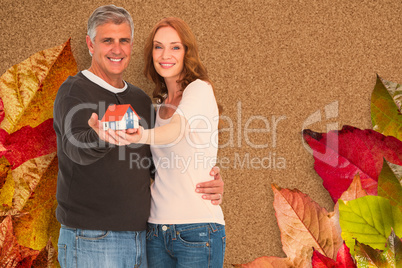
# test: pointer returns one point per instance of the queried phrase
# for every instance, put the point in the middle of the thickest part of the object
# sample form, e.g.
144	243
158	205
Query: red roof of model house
117	112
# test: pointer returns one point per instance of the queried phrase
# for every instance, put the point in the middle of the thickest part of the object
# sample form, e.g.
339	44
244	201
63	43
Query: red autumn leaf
343	260
11	253
320	261
27	93
340	155
1	110
27	143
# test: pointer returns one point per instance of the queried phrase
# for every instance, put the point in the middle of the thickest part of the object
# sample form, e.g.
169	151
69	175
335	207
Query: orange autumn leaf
28	89
27	137
4	169
266	262
11	253
305	225
28	147
36	221
355	190
27	93
46	258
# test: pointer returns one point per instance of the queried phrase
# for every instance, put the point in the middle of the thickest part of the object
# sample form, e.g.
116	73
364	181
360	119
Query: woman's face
168	54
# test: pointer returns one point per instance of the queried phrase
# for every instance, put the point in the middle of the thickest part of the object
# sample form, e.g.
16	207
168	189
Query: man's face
111	51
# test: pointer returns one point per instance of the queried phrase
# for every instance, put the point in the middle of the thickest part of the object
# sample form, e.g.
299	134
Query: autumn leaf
343	259
266	262
37	222
5	167
28	89
11	253
340	155
28	145
369	220
320	261
46	258
355	190
386	101
27	93
304	224
391	257
389	186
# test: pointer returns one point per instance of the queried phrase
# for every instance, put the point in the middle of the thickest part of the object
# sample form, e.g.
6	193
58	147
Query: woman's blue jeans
198	245
80	248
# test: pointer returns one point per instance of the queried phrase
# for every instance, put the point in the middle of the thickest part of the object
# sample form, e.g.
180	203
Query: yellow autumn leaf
28	89
36	221
28	146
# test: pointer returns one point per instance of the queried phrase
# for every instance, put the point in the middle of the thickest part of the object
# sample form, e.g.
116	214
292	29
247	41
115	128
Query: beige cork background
274	63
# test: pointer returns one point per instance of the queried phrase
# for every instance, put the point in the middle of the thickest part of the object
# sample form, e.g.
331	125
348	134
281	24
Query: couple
107	215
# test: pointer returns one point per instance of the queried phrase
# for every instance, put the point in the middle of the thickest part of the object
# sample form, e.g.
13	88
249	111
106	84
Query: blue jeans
80	248
197	245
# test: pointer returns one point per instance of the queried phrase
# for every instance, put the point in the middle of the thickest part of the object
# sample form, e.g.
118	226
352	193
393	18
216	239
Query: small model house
120	117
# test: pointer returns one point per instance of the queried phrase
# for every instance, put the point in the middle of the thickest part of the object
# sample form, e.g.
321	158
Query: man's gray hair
106	14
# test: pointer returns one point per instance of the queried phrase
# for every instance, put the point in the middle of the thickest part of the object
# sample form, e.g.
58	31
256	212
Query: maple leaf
11	253
389	186
386	111
369	219
343	259
340	155
391	257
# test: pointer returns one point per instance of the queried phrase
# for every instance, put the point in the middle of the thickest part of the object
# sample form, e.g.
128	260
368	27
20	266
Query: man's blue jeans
198	245
80	248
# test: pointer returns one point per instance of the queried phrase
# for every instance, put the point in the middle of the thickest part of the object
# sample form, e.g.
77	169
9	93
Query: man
103	198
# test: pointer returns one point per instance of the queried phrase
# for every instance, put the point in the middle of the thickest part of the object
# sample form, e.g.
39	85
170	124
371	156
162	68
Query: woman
184	230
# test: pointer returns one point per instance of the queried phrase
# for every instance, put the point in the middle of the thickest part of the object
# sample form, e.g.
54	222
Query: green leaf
369	219
386	101
389	186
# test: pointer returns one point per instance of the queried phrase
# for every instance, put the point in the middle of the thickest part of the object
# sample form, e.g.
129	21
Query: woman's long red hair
193	68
